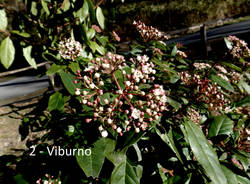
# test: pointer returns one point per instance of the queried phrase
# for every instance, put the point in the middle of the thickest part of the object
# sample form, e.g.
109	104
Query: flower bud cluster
207	92
48	180
194	116
70	49
123	105
239	47
149	32
200	66
181	54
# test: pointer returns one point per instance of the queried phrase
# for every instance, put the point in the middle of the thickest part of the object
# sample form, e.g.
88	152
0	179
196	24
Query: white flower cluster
181	54
201	66
149	32
48	180
70	49
139	107
239	47
194	116
143	70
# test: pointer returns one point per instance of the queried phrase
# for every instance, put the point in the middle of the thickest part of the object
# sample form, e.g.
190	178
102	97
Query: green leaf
74	67
20	180
92	165
221	125
244	102
23	34
27	55
45	7
173	103
34	8
228	43
174	51
66	5
95	47
7	52
245	86
55	69
168	139
56	102
91	33
231	177
100	17
244	158
3	20
83	12
230	65
124	172
242	180
144	86
203	152
91	10
164	178
223	83
68	82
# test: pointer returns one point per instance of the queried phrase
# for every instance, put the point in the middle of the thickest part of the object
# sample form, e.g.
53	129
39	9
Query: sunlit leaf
100	17
3	20
7	52
27	55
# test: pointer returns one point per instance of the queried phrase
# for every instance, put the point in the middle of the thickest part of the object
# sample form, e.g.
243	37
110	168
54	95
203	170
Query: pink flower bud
88	120
127	111
98	99
75	81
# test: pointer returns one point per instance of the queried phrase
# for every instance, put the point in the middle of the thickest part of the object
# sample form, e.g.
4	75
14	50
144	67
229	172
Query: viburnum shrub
121	93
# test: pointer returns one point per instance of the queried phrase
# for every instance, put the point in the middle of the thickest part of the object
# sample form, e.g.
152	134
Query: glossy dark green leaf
221	125
91	10
242	180
245	86
204	152
124	172
223	83
169	140
100	17
27	56
244	102
92	165
7	52
173	103
3	20
74	67
231	177
56	102
68	82
55	69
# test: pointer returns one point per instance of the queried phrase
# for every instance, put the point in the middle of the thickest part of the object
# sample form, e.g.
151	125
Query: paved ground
10	119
